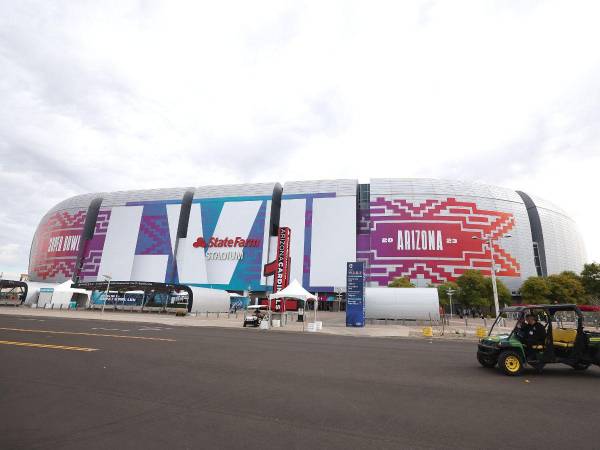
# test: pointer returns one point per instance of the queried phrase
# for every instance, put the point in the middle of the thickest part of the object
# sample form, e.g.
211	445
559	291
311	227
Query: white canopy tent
295	290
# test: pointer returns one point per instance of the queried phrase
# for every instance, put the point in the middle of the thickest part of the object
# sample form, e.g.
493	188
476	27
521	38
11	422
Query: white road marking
109	329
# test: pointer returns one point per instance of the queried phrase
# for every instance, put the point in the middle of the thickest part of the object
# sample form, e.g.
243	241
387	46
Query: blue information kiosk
355	294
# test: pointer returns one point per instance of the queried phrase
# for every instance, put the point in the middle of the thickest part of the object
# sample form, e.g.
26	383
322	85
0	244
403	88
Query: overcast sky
101	96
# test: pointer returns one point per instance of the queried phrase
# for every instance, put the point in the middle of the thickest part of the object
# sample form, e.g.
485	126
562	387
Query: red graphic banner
437	239
280	268
57	245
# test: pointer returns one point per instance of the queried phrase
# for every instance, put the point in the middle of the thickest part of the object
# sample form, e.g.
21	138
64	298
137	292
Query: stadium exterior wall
222	236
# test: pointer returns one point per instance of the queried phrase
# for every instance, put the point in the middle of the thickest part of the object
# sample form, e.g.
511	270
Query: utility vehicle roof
551	308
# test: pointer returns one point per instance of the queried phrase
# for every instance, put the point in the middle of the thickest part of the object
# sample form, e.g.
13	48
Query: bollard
427	331
481	332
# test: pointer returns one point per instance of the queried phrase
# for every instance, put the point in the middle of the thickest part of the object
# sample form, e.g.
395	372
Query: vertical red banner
280	267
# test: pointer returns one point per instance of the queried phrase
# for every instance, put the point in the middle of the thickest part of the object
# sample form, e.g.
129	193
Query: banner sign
280	268
355	294
434	239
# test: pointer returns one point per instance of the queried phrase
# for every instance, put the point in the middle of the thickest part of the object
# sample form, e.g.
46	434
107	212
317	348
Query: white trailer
402	303
209	300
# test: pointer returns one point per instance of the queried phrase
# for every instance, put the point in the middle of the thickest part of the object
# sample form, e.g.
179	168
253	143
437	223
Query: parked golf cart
254	315
566	341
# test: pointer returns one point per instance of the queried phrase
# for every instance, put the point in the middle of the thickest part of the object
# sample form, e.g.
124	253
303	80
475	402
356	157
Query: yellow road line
57	347
89	334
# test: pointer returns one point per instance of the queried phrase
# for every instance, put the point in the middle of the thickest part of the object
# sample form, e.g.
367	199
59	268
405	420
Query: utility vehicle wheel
580	366
510	363
244	324
486	362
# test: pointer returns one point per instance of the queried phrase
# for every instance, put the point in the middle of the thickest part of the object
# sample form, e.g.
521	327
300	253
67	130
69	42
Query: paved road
230	388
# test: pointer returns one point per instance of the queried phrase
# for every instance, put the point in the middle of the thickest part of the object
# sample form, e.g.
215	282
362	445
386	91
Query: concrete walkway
333	322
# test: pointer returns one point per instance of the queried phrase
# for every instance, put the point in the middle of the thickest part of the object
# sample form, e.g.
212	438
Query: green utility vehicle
563	339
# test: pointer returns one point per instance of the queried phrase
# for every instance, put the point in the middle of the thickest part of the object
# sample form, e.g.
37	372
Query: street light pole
450	292
490	242
494	284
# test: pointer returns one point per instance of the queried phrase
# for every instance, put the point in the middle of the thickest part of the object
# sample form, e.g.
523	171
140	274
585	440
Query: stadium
224	237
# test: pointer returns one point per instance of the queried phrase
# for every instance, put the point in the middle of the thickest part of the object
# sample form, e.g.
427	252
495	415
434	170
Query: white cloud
125	95
9	253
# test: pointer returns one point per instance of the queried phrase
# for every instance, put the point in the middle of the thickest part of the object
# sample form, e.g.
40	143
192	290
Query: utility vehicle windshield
503	325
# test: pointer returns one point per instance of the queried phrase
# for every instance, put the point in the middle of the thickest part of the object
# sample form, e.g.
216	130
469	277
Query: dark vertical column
275	209
537	234
182	229
87	234
363	226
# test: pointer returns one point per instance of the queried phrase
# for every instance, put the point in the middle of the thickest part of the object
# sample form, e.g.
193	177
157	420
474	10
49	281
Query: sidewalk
333	322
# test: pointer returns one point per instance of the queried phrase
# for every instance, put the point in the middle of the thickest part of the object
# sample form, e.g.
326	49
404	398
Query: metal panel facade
322	217
420	228
562	241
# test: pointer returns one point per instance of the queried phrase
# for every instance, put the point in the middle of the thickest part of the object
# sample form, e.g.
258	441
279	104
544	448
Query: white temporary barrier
312	327
402	303
45	297
209	300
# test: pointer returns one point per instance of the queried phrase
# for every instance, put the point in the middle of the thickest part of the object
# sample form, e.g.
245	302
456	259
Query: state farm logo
226	242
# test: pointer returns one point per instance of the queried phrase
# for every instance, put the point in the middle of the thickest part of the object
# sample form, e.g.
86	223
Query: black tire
244	324
580	366
511	363
488	363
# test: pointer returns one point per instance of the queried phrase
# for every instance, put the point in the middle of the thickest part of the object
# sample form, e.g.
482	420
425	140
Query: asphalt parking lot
72	384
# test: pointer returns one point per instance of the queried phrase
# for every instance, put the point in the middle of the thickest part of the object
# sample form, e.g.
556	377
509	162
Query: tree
590	278
401	282
536	290
566	287
504	295
443	292
473	290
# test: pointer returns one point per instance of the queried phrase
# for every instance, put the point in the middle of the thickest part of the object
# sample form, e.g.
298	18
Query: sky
118	95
